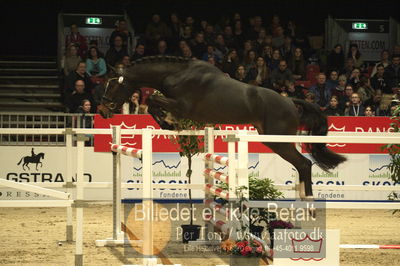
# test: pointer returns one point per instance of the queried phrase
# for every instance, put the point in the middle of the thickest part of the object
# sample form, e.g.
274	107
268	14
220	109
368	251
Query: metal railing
41	120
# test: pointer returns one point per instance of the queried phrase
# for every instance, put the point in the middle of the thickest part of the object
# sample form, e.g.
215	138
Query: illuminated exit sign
359	26
94	21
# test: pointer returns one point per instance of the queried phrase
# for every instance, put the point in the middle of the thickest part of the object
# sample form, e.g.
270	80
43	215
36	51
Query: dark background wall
30	27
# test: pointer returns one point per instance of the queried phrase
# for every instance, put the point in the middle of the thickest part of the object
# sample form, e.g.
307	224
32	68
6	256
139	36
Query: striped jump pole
217	191
216	175
222	160
217	207
127	151
362	246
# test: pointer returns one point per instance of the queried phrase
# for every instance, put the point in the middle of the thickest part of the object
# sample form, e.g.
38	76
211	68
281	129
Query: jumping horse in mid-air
199	91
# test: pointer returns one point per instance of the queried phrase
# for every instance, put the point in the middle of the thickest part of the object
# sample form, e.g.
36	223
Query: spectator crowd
273	55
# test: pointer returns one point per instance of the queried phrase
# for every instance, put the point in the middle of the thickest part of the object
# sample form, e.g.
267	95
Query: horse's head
115	94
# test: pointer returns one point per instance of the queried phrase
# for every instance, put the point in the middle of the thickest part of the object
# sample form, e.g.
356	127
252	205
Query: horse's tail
317	124
20	160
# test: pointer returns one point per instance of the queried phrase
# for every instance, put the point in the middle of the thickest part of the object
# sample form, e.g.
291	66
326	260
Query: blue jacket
100	67
327	93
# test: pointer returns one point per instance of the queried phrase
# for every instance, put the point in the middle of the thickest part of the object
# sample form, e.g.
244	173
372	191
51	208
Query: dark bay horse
199	91
31	159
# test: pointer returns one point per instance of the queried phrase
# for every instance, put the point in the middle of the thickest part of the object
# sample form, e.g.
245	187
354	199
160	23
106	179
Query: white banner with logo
370	44
17	164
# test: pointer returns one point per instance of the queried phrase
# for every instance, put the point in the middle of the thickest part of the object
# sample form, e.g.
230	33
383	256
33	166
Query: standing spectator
385	61
156	30
259	75
322	91
175	26
355	54
198	46
139	52
230	63
78	74
334	109
336	58
78	40
281	74
378	81
355	108
122	31
297	65
392	72
78	95
70	60
95	66
117	52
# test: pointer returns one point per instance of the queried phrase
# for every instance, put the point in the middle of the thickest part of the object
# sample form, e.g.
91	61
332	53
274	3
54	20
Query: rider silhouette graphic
33	152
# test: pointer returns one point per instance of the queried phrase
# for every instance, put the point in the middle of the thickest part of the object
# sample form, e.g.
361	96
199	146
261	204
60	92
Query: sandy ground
30	236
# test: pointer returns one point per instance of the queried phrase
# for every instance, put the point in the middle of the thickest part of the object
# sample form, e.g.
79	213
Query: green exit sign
94	21
359	26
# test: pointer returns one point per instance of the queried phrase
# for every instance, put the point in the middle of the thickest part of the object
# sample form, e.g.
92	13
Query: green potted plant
189	146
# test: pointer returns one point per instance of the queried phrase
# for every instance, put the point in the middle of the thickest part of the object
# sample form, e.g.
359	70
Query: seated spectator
75	38
197	45
336	58
281	74
85	108
162	48
378	81
210	52
288	49
365	91
250	60
126	61
354	79
278	40
78	95
276	58
247	46
392	72
369	111
355	107
187	34
117	52
238	34
322	91
334	108
70	60
230	63
338	90
310	98
95	66
267	54
385	61
123	32
240	74
345	100
139	52
187	52
156	30
355	54
258	44
94	43
228	37
220	47
259	75
209	34
348	68
79	74
293	90
135	106
333	79
297	65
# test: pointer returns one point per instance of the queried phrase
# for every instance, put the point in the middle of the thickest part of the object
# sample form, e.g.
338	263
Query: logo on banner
33	159
379	166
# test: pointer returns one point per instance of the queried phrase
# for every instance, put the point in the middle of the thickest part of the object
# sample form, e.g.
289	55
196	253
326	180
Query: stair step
33	64
29	77
29	86
30	95
28	70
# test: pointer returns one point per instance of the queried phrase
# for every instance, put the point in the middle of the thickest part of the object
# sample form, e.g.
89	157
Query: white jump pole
208	148
69	184
147	203
79	200
117	172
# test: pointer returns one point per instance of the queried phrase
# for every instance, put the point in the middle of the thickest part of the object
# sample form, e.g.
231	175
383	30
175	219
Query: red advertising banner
163	143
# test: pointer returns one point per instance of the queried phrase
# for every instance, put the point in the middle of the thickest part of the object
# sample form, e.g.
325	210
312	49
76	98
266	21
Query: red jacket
79	41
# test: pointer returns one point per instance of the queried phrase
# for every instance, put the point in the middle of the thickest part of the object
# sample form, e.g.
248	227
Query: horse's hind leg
303	165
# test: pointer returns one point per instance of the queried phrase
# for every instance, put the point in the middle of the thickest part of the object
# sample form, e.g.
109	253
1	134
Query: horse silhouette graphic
34	158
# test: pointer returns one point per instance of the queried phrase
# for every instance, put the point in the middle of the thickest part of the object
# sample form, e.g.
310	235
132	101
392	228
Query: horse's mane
162	59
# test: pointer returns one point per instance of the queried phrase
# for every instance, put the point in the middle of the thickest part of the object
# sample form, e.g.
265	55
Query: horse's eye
120	80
